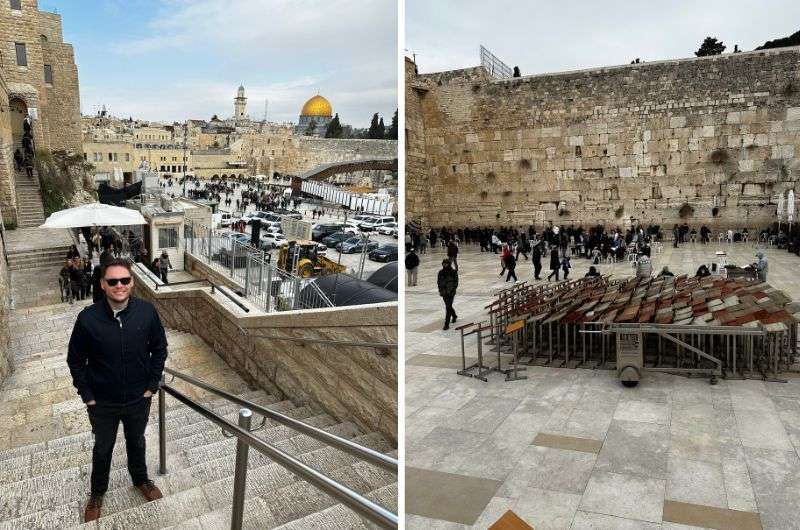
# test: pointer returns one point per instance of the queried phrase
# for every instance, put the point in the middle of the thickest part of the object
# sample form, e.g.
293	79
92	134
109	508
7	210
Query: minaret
239	105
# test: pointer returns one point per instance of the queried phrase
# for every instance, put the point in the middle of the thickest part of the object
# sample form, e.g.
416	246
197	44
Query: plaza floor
573	449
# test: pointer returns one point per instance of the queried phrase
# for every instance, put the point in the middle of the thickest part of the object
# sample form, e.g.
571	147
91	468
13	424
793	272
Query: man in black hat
447	281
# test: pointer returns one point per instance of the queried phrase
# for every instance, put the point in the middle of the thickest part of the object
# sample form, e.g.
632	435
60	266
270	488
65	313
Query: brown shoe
92	511
149	490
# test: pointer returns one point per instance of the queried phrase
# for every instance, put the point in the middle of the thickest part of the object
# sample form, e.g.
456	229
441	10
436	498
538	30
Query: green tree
311	128
334	129
374	131
391	134
710	46
381	130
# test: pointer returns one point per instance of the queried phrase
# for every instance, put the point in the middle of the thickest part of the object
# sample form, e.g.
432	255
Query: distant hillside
791	40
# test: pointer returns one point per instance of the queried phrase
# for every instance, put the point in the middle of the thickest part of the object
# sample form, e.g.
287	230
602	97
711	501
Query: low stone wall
5	301
357	384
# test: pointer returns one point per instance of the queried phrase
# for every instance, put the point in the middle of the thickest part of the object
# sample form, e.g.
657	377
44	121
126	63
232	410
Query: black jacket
412	261
113	361
447	281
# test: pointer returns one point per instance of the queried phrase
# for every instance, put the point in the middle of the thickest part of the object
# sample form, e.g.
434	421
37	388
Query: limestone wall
5	301
8	197
719	134
63	110
297	154
351	383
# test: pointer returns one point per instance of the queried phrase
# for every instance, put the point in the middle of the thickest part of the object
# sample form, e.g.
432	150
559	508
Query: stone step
176	417
174	511
120	498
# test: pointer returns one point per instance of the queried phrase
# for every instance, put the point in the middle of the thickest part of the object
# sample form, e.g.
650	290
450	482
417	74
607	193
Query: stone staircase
46	443
30	210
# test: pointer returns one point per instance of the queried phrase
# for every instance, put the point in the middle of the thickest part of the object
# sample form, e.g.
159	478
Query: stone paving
573	448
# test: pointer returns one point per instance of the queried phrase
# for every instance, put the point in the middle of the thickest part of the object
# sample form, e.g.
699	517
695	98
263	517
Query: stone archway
18	110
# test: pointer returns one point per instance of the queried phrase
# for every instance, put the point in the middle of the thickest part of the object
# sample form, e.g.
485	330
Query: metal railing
261	282
245	439
494	66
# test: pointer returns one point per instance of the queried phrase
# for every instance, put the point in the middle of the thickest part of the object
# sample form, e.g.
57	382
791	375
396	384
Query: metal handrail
343	494
230	296
359	451
147	273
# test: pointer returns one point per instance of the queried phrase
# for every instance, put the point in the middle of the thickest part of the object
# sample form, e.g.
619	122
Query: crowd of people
556	246
24	159
251	192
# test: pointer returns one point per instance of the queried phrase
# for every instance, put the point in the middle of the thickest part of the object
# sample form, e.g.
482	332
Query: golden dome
317	106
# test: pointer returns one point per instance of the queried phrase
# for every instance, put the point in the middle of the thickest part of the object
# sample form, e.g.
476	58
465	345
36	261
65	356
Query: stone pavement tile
626	496
440	361
644	411
496	508
551	469
762	429
423	420
696	439
450	497
596	521
570	443
635	448
481	414
775	477
547	510
510	521
710	517
750	395
442	449
417	522
585	423
738	488
696	482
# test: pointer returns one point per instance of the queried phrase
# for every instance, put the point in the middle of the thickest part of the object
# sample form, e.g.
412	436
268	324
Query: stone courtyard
574	448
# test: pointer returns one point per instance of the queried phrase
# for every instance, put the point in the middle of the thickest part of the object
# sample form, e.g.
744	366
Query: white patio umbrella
94	214
780	210
790	208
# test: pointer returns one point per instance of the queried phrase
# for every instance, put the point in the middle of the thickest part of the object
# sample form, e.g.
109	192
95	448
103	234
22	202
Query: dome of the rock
317	106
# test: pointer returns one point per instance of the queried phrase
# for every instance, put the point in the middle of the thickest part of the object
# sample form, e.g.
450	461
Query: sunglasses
114	281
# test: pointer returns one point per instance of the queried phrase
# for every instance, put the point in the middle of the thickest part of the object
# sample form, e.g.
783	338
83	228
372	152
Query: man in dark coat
447	282
536	258
412	266
116	357
555	264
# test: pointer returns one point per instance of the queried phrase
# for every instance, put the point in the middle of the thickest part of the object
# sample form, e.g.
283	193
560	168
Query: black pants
448	309
163	274
553	273
510	274
105	421
537	269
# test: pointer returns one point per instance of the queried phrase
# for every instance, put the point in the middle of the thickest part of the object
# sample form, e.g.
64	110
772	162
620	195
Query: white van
221	219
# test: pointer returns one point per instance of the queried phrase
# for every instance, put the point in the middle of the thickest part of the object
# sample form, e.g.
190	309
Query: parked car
239	237
388	228
272	240
294	214
336	238
267	218
356	244
321	230
358	219
375	223
221	219
385	253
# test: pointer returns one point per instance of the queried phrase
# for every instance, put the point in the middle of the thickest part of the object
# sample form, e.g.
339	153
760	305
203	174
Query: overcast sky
549	36
170	60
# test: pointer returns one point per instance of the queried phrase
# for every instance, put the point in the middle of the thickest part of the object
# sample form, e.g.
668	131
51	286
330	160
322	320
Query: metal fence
259	280
494	66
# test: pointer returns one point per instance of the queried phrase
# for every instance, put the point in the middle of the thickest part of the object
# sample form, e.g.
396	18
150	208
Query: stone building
703	140
40	73
317	110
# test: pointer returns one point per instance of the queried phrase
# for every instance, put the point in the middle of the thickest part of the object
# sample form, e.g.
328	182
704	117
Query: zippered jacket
115	360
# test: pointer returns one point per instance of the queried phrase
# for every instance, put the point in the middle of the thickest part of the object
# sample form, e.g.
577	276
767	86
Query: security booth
164	231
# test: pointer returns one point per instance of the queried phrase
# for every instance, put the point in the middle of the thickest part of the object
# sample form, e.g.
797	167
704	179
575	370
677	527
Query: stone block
677	122
793	113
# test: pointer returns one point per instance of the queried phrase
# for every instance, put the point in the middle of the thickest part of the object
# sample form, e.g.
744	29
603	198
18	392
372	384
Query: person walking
116	356
412	266
761	266
503	258
555	264
164	266
536	258
452	253
565	266
511	265
447	282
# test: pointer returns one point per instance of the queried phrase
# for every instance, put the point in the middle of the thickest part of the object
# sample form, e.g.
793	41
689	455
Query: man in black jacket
412	266
447	281
116	356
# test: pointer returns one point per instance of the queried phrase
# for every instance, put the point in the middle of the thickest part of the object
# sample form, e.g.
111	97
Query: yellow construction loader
300	257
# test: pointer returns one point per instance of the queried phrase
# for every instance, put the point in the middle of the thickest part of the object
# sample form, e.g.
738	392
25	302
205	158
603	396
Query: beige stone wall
8	197
5	301
58	126
607	144
127	158
351	383
287	153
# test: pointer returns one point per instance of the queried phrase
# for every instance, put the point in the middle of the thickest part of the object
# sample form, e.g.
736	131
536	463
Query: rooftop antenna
266	107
